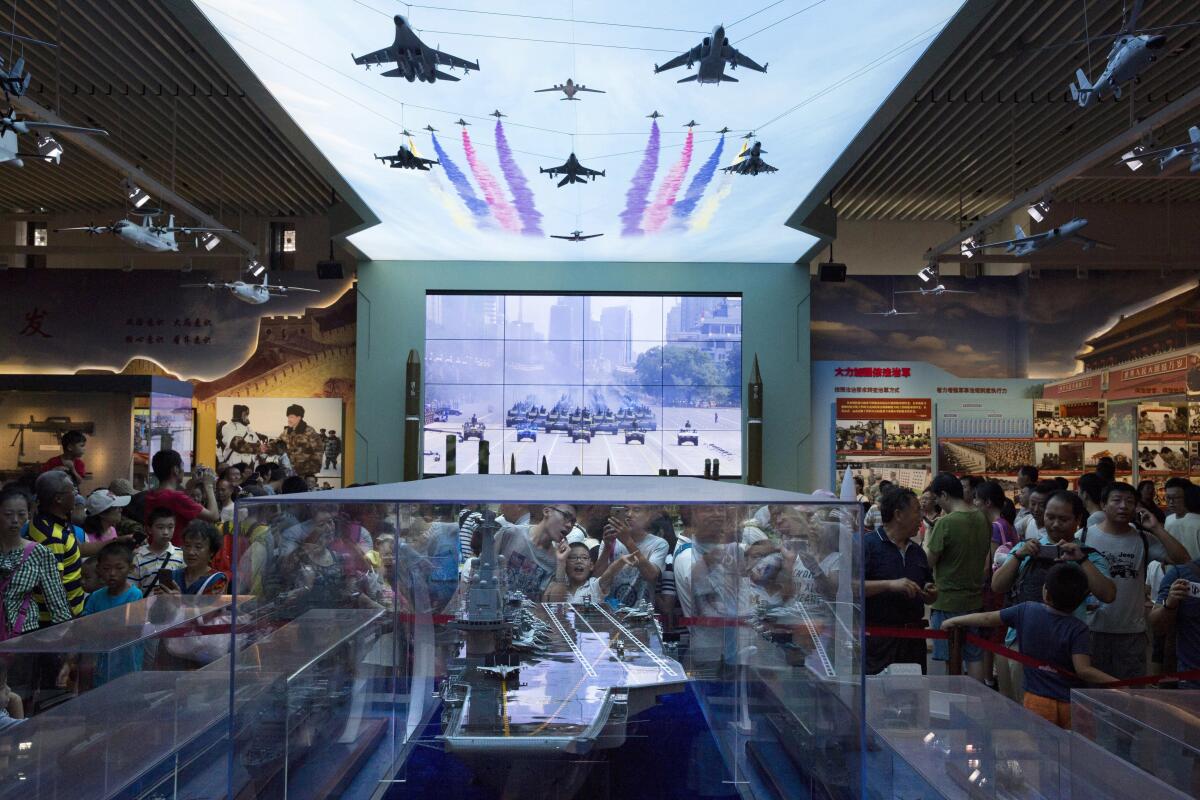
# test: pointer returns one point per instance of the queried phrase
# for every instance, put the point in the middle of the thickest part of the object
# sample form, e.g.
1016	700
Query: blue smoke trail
700	181
639	190
463	186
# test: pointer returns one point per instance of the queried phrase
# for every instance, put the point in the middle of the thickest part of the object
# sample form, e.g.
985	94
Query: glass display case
158	632
953	737
507	642
1156	730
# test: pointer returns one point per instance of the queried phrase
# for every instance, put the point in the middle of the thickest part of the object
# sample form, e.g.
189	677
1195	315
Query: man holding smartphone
1129	538
1177	608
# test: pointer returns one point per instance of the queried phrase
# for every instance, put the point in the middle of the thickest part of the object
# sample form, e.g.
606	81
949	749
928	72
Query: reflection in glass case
1156	730
953	737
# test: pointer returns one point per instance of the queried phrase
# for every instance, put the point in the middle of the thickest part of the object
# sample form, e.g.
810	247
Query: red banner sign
1083	387
1166	376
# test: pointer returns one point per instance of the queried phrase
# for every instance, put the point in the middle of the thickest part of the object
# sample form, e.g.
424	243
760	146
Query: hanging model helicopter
1131	53
147	236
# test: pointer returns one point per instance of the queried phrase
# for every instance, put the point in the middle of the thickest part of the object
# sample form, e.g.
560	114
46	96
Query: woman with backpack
28	572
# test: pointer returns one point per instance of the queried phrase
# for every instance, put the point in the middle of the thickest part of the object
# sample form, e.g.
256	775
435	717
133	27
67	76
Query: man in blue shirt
1176	607
899	581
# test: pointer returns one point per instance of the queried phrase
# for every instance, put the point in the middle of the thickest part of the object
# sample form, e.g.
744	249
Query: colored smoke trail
531	218
492	193
460	182
684	208
703	217
669	189
639	190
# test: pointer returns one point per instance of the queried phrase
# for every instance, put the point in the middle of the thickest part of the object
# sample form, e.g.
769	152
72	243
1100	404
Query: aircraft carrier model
537	679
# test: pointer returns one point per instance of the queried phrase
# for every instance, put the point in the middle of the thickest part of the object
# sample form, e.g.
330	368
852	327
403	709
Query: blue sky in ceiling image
664	195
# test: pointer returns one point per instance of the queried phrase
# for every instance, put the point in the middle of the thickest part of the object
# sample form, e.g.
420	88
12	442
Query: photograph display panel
170	426
268	430
624	383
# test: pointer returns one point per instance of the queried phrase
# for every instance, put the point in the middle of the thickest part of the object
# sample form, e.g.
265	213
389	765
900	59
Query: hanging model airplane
936	291
147	236
1131	52
689	124
573	171
570	89
751	163
12	82
576	236
497	114
415	61
713	53
10	126
655	115
1168	155
892	312
405	158
1023	244
253	293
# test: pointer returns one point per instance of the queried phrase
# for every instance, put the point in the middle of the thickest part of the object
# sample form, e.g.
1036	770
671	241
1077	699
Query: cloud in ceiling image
665	193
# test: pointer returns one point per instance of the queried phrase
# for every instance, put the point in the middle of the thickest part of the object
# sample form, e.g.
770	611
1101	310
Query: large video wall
629	384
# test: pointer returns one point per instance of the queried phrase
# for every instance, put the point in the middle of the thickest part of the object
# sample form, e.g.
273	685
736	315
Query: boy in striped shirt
157	553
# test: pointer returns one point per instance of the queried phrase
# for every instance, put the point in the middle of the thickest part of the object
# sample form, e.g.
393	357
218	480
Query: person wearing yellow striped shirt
52	529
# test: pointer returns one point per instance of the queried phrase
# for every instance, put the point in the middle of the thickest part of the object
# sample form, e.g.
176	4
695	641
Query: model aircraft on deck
253	293
573	171
576	236
10	126
751	163
405	158
570	89
1023	244
713	53
1168	155
147	236
415	61
1131	52
501	671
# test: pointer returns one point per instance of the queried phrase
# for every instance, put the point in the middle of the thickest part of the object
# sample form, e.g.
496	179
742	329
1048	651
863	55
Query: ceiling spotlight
928	276
49	149
135	194
1040	210
968	246
209	240
1131	158
255	268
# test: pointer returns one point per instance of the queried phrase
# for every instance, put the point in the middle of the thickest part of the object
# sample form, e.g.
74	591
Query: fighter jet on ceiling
723	131
461	121
147	236
497	114
407	159
570	89
1131	52
751	163
14	82
252	293
1168	155
415	61
573	170
713	53
576	236
655	115
1023	244
690	124
48	148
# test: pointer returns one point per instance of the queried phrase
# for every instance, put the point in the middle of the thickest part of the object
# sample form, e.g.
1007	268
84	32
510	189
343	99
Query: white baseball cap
102	500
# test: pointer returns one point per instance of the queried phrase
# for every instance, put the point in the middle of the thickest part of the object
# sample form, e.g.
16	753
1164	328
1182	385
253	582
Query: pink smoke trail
492	193
531	218
639	190
658	213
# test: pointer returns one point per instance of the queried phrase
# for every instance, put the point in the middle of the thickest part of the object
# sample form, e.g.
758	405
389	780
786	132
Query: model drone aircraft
576	236
936	291
1168	155
1131	52
655	115
751	163
405	158
573	171
497	114
713	53
689	124
1023	244
253	293
10	126
415	61
147	236
570	89
12	81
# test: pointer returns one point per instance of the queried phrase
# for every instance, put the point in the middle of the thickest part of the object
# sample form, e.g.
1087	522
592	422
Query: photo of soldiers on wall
303	434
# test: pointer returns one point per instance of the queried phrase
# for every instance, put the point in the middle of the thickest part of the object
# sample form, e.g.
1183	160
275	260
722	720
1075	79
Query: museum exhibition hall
484	400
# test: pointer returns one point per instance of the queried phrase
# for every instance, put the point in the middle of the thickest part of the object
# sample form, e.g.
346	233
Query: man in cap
304	446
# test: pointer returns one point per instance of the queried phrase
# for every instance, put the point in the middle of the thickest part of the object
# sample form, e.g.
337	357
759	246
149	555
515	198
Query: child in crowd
573	581
71	459
157	553
201	542
90	575
12	710
114	563
102	515
1049	632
